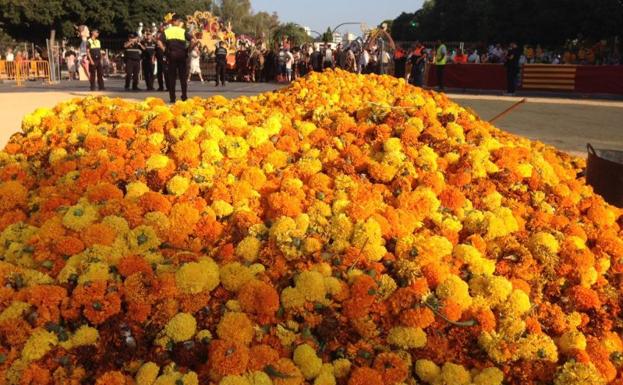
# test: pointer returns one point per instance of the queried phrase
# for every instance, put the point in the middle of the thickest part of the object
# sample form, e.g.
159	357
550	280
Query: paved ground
567	123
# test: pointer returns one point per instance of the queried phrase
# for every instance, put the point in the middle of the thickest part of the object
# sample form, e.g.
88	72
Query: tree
327	37
549	22
293	32
33	19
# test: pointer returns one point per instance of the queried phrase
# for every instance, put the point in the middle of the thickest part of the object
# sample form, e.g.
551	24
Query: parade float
347	229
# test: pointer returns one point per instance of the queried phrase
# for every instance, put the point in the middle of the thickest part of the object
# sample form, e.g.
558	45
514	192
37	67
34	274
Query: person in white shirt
289	63
474	58
328	57
364	59
9	54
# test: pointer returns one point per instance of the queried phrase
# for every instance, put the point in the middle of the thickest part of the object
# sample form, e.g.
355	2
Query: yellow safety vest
175	33
441	58
95	44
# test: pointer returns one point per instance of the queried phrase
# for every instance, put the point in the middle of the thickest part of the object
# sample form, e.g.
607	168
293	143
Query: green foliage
327	37
294	32
529	21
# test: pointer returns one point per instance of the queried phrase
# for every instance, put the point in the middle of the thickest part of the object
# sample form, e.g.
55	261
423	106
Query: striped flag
548	77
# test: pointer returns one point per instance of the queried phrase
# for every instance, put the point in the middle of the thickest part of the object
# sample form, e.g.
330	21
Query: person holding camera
149	60
132	54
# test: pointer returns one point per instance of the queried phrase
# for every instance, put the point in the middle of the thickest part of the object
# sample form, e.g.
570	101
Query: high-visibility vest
175	33
440	58
94	44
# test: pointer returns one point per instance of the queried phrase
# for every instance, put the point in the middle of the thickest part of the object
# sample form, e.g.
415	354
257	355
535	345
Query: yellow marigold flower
234	380
142	239
572	340
195	277
147	374
222	209
406	337
84	335
474	259
15	310
203	335
305	128
341	367
518	302
292	298
427	370
273	125
234	147
578	373
259	378
38	345
493	201
96	271
181	327
494	290
332	285
456	289
57	155
489	376
234	275
326	376
368	237
156	162
453	374
286	337
308	362
257	136
311	285
136	189
235	326
178	185
210	151
80	216
543	246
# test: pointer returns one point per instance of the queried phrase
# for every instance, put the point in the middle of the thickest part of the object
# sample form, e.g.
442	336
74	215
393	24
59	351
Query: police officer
149	58
221	63
94	54
175	45
132	54
161	63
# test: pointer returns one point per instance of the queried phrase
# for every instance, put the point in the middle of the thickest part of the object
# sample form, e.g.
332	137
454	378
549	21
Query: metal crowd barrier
25	70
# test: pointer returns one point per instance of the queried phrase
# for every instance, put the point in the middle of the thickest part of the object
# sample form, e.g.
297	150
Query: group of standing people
162	56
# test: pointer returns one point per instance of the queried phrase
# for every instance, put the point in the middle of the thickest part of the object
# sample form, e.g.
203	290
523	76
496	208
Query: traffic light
414	23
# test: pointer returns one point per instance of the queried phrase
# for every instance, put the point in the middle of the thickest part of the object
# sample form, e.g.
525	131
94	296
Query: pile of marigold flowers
346	230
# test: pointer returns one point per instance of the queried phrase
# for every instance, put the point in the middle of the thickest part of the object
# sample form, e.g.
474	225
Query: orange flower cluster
345	230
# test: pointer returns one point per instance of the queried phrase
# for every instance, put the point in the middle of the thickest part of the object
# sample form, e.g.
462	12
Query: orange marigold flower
285	372
111	378
261	356
259	298
12	194
365	376
104	191
98	234
584	298
68	245
227	357
35	375
421	317
155	201
391	367
362	296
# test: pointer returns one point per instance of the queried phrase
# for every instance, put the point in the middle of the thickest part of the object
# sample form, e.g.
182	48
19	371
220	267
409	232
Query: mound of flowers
346	230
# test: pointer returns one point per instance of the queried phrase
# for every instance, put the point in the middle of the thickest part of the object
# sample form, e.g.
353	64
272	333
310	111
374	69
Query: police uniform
221	64
161	69
148	63
176	41
95	51
132	55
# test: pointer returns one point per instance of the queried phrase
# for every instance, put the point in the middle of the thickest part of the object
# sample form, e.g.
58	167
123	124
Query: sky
320	14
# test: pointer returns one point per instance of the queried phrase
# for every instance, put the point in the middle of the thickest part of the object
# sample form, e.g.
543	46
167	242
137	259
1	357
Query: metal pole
381	56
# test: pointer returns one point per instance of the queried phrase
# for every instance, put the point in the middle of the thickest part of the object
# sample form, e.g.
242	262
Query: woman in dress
195	64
